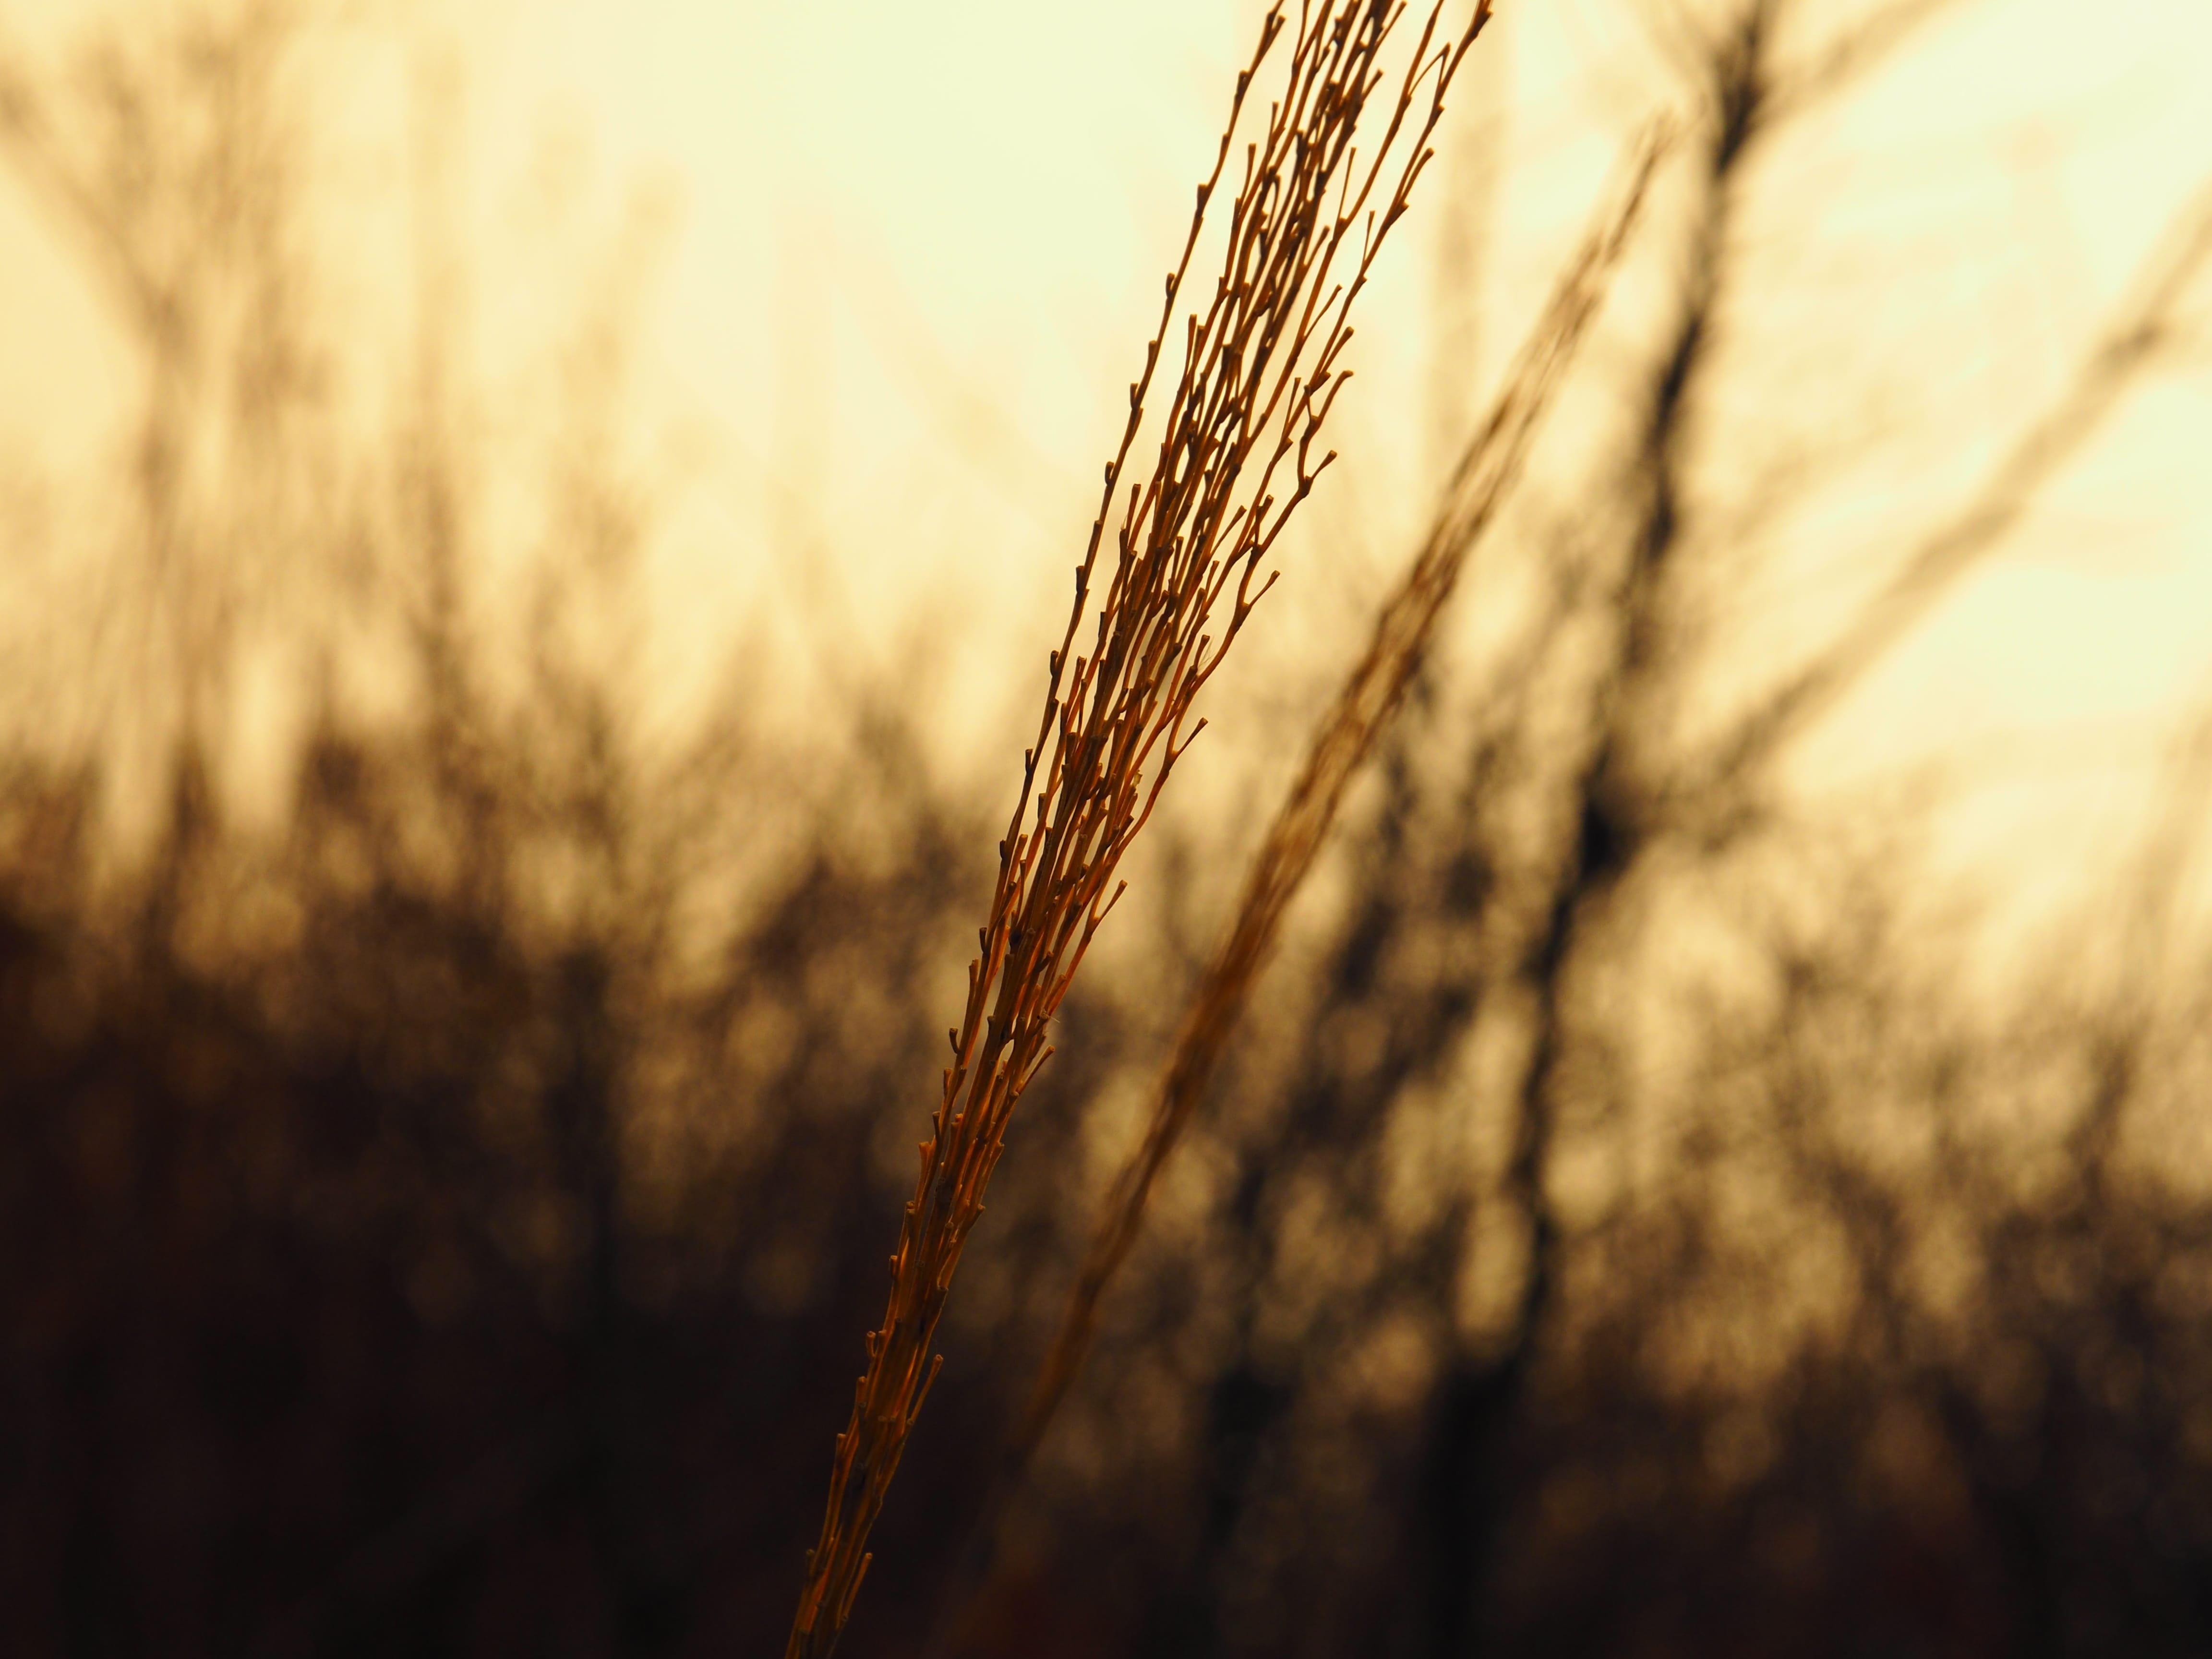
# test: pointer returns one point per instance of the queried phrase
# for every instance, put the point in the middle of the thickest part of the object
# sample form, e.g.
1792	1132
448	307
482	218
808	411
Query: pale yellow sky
906	256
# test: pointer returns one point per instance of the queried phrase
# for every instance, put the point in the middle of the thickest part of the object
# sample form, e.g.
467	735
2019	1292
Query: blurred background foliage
451	1123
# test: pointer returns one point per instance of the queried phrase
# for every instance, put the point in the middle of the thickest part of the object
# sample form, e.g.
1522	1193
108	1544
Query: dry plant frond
1486	469
1260	372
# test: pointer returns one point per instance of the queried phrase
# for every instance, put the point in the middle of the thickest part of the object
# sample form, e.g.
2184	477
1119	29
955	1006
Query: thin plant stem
1363	709
1260	369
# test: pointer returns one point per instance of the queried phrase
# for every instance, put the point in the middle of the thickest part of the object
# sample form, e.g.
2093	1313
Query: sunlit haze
891	263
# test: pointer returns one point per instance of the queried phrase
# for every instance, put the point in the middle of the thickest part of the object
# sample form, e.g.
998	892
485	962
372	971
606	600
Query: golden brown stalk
1363	707
1259	376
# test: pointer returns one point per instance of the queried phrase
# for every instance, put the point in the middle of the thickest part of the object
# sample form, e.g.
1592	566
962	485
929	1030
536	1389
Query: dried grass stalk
1344	738
1260	372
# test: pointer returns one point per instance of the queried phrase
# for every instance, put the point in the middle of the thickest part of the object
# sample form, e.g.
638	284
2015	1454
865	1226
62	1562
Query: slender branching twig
1345	735
1260	370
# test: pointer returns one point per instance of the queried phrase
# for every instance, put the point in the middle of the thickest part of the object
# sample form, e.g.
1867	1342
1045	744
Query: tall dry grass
1341	742
399	1256
1260	369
